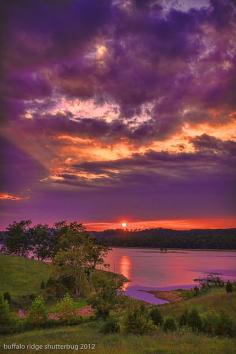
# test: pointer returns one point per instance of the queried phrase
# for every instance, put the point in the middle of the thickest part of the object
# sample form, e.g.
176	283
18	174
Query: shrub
229	287
156	316
110	326
7	297
106	294
183	321
42	286
224	325
66	308
194	320
5	314
169	325
209	321
7	320
37	312
137	320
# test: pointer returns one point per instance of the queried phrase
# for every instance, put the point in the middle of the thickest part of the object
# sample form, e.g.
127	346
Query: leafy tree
169	325
156	316
69	235
37	312
229	287
77	256
137	320
106	293
71	264
95	253
18	240
43	241
56	288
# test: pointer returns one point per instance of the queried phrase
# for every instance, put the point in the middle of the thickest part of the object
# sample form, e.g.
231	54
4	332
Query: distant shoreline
176	250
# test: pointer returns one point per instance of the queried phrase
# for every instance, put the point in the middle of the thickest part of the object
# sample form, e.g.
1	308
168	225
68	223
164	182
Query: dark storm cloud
39	36
44	32
173	60
52	125
206	142
161	66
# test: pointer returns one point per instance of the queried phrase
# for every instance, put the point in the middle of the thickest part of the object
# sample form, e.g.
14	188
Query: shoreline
175	249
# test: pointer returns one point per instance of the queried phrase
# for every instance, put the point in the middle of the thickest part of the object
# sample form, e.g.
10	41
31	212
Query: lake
150	269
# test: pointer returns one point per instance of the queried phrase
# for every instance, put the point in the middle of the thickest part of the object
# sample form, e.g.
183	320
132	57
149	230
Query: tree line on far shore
168	238
21	237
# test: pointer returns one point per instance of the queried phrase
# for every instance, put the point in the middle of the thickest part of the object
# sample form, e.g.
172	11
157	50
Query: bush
209	321
7	320
66	308
106	294
229	287
110	326
7	297
156	316
183	321
169	325
5	314
42	286
137	320
37	312
224	325
194	321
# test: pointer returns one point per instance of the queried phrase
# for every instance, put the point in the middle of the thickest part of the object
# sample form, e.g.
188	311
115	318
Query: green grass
215	299
21	276
158	343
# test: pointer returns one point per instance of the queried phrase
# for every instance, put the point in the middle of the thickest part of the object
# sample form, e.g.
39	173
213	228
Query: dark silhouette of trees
165	239
18	238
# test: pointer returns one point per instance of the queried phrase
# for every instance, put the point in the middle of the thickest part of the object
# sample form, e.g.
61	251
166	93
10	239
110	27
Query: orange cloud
6	196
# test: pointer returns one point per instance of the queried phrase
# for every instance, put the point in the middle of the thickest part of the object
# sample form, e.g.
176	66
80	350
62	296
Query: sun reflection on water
125	269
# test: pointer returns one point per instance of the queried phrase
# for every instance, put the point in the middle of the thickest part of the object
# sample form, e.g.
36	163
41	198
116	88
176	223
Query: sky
116	111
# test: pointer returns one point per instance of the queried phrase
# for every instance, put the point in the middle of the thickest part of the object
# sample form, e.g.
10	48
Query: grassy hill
159	343
22	276
215	299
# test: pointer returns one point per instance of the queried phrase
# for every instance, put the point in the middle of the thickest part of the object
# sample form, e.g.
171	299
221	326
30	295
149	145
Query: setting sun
124	225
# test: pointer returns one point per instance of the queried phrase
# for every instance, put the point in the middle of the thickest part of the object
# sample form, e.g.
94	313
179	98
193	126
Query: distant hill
168	238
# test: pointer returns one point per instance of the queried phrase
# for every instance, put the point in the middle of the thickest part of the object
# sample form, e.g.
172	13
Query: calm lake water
149	269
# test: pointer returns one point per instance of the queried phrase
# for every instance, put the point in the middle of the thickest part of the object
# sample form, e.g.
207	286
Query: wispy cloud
6	196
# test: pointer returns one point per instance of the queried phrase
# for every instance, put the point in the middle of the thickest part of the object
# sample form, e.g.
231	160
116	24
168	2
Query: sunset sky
119	111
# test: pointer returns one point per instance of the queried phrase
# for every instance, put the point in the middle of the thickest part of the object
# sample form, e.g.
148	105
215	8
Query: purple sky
118	110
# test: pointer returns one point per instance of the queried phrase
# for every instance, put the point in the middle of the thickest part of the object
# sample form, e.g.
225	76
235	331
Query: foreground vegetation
159	342
70	302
